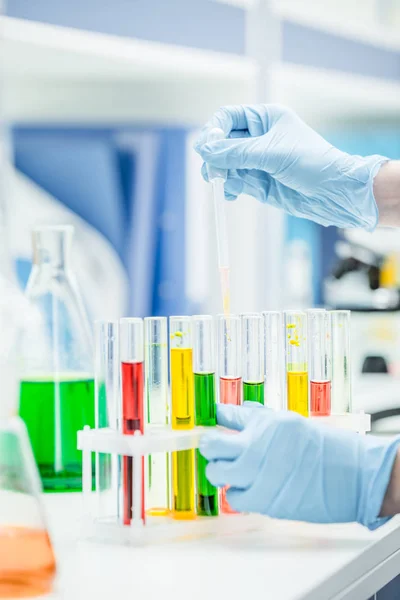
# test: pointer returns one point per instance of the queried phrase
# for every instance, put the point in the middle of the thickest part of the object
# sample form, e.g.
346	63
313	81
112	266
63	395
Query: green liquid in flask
207	494
54	411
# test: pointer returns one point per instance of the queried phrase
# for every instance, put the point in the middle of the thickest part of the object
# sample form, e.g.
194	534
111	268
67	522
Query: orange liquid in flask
27	563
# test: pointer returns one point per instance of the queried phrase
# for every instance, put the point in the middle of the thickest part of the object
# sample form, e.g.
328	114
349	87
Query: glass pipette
217	178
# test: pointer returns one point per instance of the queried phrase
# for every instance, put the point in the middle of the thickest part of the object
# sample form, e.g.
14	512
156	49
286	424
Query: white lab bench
282	561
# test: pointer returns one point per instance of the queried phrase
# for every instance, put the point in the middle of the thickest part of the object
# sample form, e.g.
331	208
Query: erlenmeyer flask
27	563
57	384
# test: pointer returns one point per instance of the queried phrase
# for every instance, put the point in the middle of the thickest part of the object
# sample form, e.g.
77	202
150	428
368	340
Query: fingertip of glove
252	404
233	497
205	150
230	197
206	442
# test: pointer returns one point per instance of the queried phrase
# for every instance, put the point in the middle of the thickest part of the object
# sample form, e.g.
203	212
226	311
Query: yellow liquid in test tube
297	392
182	388
183	417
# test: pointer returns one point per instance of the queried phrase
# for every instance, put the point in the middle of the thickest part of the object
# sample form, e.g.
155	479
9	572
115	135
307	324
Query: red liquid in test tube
132	420
320	398
230	390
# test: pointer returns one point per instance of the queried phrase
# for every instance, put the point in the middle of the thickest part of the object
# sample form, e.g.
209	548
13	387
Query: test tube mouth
203	340
253	347
52	245
155	319
180	330
131	339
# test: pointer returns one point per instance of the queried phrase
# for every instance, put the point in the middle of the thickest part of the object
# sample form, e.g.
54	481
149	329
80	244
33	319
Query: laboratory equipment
229	371
229	359
183	416
56	362
273	353
296	362
204	386
265	154
320	362
341	368
157	401
132	417
107	407
253	358
27	561
217	178
193	392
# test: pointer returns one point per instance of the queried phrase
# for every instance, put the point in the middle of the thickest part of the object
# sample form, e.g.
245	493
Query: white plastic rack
158	439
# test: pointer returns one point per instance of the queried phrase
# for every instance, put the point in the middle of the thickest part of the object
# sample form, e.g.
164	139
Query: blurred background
101	103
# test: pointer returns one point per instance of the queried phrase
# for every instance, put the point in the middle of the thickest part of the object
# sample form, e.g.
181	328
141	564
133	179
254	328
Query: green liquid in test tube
204	389
253	358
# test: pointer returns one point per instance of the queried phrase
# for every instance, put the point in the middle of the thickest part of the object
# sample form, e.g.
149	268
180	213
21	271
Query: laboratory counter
281	561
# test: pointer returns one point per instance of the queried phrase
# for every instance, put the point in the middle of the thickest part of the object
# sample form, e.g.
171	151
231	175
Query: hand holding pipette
217	178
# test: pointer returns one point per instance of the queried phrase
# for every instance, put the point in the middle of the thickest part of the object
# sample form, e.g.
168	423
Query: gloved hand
288	467
274	156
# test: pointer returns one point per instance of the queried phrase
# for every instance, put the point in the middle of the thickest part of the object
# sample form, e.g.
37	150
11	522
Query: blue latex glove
274	156
288	467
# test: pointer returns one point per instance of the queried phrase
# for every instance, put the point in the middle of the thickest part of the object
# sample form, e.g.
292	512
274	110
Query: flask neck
52	247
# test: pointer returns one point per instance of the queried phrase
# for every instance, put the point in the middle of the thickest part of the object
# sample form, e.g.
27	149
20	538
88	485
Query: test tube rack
96	526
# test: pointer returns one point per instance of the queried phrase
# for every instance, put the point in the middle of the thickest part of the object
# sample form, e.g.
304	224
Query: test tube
183	416
132	383
204	392
341	368
229	371
229	359
273	353
253	358
320	362
106	382
296	361
156	389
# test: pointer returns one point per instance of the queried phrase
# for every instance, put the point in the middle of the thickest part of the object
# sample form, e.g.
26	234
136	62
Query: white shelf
57	73
324	96
336	23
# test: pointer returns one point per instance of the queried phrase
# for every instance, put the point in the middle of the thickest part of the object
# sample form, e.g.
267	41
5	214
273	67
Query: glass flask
56	364
27	563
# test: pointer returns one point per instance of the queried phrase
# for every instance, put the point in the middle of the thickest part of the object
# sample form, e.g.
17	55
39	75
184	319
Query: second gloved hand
285	466
271	154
